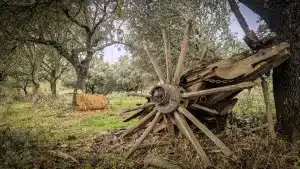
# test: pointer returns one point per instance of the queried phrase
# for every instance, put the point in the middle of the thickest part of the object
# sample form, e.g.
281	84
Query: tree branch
85	27
107	45
64	52
101	20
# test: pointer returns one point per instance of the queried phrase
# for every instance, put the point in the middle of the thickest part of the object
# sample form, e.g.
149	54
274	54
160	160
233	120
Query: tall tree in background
283	17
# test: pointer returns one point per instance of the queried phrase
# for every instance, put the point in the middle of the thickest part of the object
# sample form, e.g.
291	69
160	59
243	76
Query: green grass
50	121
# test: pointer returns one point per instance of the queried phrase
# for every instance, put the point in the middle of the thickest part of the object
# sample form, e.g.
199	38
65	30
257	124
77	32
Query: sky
113	53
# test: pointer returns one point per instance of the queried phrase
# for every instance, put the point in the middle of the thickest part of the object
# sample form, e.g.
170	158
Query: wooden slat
266	93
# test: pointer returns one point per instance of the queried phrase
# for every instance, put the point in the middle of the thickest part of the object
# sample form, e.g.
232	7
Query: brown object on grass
86	102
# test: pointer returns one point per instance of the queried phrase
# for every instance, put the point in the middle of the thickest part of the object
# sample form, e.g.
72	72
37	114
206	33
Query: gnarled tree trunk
81	69
53	87
36	87
283	17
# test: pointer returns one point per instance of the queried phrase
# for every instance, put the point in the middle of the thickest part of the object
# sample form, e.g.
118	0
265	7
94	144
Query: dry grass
254	151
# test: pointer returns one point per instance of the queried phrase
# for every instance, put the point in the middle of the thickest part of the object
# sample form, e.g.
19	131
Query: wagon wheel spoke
140	95
140	124
137	114
144	135
183	51
155	65
167	54
187	131
239	86
170	125
143	106
206	131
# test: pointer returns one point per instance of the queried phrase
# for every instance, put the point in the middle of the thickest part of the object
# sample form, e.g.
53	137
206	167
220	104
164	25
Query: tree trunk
81	73
25	90
36	87
53	87
283	17
80	82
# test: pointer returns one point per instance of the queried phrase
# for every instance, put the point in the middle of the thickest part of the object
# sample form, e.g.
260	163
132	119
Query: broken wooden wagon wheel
168	99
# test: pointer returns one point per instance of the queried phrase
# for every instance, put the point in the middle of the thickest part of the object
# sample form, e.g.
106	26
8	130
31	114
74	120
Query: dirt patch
87	102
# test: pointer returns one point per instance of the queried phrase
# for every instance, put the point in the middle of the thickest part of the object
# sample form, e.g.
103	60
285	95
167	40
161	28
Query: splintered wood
211	88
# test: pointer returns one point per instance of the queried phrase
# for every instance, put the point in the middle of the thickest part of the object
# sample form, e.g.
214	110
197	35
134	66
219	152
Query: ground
48	133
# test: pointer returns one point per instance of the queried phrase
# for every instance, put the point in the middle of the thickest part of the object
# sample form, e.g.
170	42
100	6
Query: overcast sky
112	54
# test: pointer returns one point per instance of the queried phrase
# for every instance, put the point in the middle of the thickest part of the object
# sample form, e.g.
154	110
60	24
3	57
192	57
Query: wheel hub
166	97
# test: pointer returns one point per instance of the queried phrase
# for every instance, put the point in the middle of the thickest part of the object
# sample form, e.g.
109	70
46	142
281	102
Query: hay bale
86	102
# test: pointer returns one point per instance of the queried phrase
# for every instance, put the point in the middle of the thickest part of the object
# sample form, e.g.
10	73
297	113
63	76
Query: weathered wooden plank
266	94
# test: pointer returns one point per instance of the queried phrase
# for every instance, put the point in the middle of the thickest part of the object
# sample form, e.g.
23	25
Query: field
48	133
53	122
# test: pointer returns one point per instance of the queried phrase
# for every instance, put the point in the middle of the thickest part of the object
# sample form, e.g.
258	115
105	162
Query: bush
18	149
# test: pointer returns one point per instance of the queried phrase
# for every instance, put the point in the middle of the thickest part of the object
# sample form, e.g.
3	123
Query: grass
52	121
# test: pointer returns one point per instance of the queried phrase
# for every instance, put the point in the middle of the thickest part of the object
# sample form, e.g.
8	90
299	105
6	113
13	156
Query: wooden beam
187	131
183	51
207	132
143	106
240	18
140	124
239	86
144	135
264	85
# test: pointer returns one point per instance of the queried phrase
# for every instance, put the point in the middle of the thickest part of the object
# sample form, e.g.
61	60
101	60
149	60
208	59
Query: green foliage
210	37
101	78
18	149
122	76
129	77
251	102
